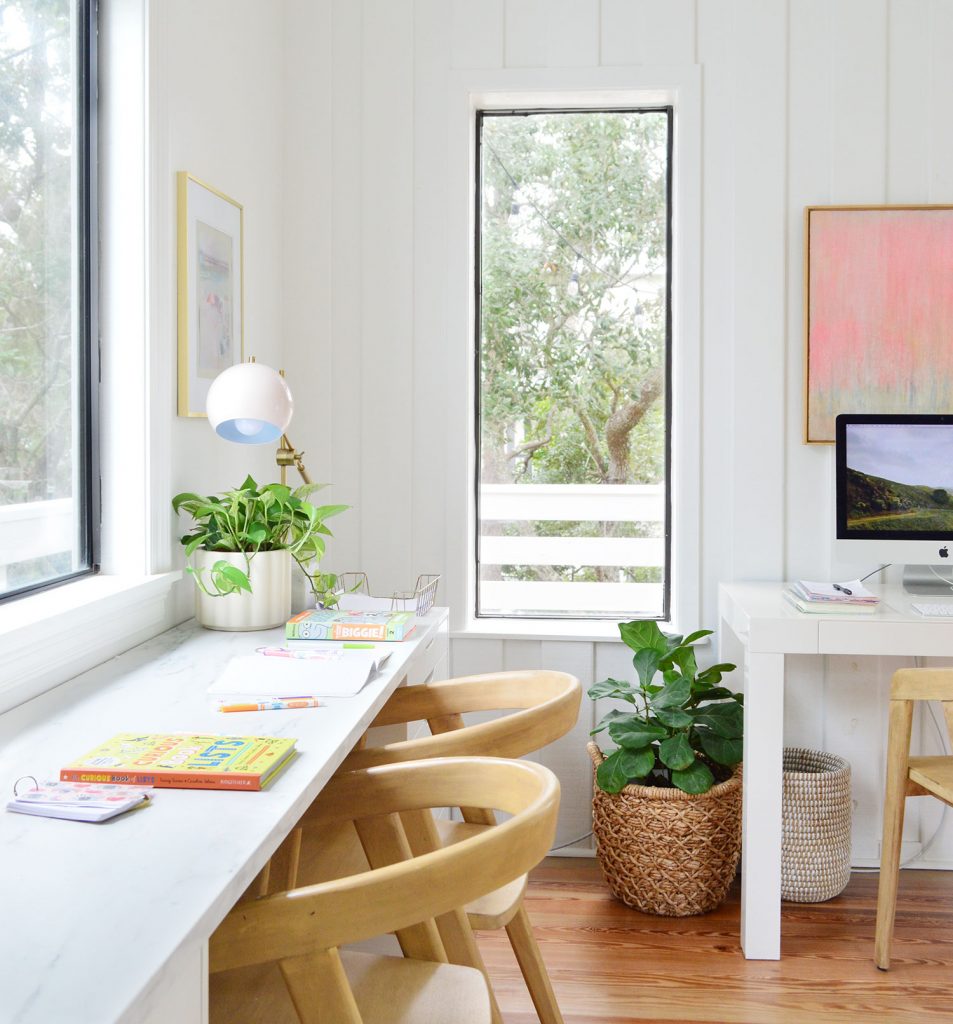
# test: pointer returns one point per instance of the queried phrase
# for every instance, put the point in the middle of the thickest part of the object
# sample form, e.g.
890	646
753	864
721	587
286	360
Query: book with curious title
182	761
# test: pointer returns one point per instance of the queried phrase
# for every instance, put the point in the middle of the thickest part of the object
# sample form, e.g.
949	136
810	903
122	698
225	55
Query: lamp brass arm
287	455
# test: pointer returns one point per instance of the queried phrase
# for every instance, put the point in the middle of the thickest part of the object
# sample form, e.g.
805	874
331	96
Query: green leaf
249	484
634	732
673	718
676	752
257	532
711	693
724	751
607	718
715	672
673	694
280	491
695	779
697	635
726	719
684	657
185	496
326	511
612	688
641	634
646	663
233	574
622	765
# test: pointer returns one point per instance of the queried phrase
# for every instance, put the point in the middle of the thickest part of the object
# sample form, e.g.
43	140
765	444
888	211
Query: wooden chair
908	776
276	958
544	706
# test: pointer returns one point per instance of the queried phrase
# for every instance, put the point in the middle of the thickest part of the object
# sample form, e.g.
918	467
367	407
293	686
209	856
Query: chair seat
496	909
387	989
934	774
394	990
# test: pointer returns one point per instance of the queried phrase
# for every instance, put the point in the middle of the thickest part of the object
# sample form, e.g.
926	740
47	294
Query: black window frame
480	115
89	491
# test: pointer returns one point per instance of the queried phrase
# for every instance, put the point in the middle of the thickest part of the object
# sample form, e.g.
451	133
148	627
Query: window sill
602	630
54	635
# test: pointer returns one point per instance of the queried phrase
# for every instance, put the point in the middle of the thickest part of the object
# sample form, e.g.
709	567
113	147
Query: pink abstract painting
879	313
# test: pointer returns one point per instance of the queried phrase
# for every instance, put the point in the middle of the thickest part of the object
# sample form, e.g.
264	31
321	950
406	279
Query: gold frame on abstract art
208	216
869	336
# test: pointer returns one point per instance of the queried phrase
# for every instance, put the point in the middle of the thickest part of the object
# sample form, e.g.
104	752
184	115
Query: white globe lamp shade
249	403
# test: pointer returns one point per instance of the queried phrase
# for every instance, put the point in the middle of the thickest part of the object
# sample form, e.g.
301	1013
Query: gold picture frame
211	288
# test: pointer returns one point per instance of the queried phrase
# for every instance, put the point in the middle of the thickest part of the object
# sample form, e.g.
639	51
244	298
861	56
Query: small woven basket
666	852
815	851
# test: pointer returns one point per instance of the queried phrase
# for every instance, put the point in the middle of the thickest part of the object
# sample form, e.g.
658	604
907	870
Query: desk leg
761	814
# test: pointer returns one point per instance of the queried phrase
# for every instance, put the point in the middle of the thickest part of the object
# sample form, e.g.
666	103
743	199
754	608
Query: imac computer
895	496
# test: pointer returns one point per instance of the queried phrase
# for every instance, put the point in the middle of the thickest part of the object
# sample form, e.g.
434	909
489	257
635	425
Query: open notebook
330	671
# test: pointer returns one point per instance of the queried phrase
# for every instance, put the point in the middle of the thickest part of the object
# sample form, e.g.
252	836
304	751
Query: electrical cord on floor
572	842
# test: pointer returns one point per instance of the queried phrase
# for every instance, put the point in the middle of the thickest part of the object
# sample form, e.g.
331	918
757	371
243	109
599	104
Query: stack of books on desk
851	598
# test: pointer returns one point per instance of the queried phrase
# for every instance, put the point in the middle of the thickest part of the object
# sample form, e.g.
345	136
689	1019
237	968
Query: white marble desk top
91	913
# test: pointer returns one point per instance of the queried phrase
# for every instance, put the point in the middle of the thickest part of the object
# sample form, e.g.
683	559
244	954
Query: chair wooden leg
898	748
319	988
534	971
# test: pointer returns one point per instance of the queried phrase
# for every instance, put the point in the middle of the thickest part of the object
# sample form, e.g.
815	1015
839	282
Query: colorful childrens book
183	761
335	624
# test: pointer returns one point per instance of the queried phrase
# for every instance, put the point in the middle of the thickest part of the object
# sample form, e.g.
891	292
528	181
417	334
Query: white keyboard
934	611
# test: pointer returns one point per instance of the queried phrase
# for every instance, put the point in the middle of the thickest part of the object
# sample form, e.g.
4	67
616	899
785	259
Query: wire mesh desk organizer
355	594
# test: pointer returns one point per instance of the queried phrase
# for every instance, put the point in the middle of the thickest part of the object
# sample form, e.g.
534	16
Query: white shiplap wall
804	102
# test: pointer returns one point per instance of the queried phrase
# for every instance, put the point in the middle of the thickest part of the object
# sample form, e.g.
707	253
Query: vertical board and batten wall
803	102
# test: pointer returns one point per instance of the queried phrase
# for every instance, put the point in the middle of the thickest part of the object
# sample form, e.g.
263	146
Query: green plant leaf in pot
684	730
618	768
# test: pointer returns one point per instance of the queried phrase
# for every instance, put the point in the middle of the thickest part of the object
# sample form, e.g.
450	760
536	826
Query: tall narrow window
47	360
573	363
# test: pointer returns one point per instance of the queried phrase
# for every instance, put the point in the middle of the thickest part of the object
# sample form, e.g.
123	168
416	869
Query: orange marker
273	705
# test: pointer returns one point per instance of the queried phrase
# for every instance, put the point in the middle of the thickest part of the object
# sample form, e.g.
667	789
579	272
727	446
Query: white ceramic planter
268	604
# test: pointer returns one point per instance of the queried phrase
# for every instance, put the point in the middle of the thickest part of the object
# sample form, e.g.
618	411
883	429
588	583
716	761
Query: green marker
358	647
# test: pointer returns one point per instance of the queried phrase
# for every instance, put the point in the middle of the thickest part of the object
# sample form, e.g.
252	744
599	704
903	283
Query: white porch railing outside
35	529
572	503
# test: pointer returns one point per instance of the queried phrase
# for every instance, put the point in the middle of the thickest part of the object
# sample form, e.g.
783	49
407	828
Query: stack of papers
78	801
281	673
850	597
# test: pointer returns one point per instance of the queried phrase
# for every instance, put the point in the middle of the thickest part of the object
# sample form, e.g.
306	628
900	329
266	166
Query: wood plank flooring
610	964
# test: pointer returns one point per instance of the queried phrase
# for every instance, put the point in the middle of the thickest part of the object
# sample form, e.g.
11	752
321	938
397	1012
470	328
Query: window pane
43	296
574	321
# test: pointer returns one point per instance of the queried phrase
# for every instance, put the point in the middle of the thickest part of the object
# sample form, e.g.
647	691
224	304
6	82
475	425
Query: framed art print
211	289
878	312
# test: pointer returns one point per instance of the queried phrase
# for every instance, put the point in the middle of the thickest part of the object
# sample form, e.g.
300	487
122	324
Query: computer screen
894	488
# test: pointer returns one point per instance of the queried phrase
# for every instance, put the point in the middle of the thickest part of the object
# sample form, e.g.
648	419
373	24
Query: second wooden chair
908	776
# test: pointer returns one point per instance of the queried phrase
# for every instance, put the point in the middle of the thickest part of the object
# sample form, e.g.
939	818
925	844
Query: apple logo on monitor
944	552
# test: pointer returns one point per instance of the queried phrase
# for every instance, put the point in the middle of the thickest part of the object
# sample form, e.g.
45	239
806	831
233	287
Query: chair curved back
544	705
411	889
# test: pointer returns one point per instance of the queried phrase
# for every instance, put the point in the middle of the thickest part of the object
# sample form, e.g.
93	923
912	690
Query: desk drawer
430	659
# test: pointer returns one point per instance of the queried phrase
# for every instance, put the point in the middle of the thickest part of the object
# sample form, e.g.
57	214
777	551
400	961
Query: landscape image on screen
899	477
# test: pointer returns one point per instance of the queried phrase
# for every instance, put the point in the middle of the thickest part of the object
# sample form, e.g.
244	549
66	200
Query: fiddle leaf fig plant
685	729
251	519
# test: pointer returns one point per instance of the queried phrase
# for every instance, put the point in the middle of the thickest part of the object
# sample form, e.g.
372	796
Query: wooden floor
610	964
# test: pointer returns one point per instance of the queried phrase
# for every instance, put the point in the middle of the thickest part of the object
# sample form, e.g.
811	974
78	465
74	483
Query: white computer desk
768	630
109	923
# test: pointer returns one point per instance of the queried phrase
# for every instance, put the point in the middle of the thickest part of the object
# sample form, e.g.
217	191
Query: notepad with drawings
328	672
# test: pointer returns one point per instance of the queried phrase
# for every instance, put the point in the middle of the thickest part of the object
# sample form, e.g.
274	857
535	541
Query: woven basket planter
815	851
666	852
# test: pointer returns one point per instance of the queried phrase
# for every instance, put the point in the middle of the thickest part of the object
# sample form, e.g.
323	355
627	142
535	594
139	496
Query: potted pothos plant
241	548
667	802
